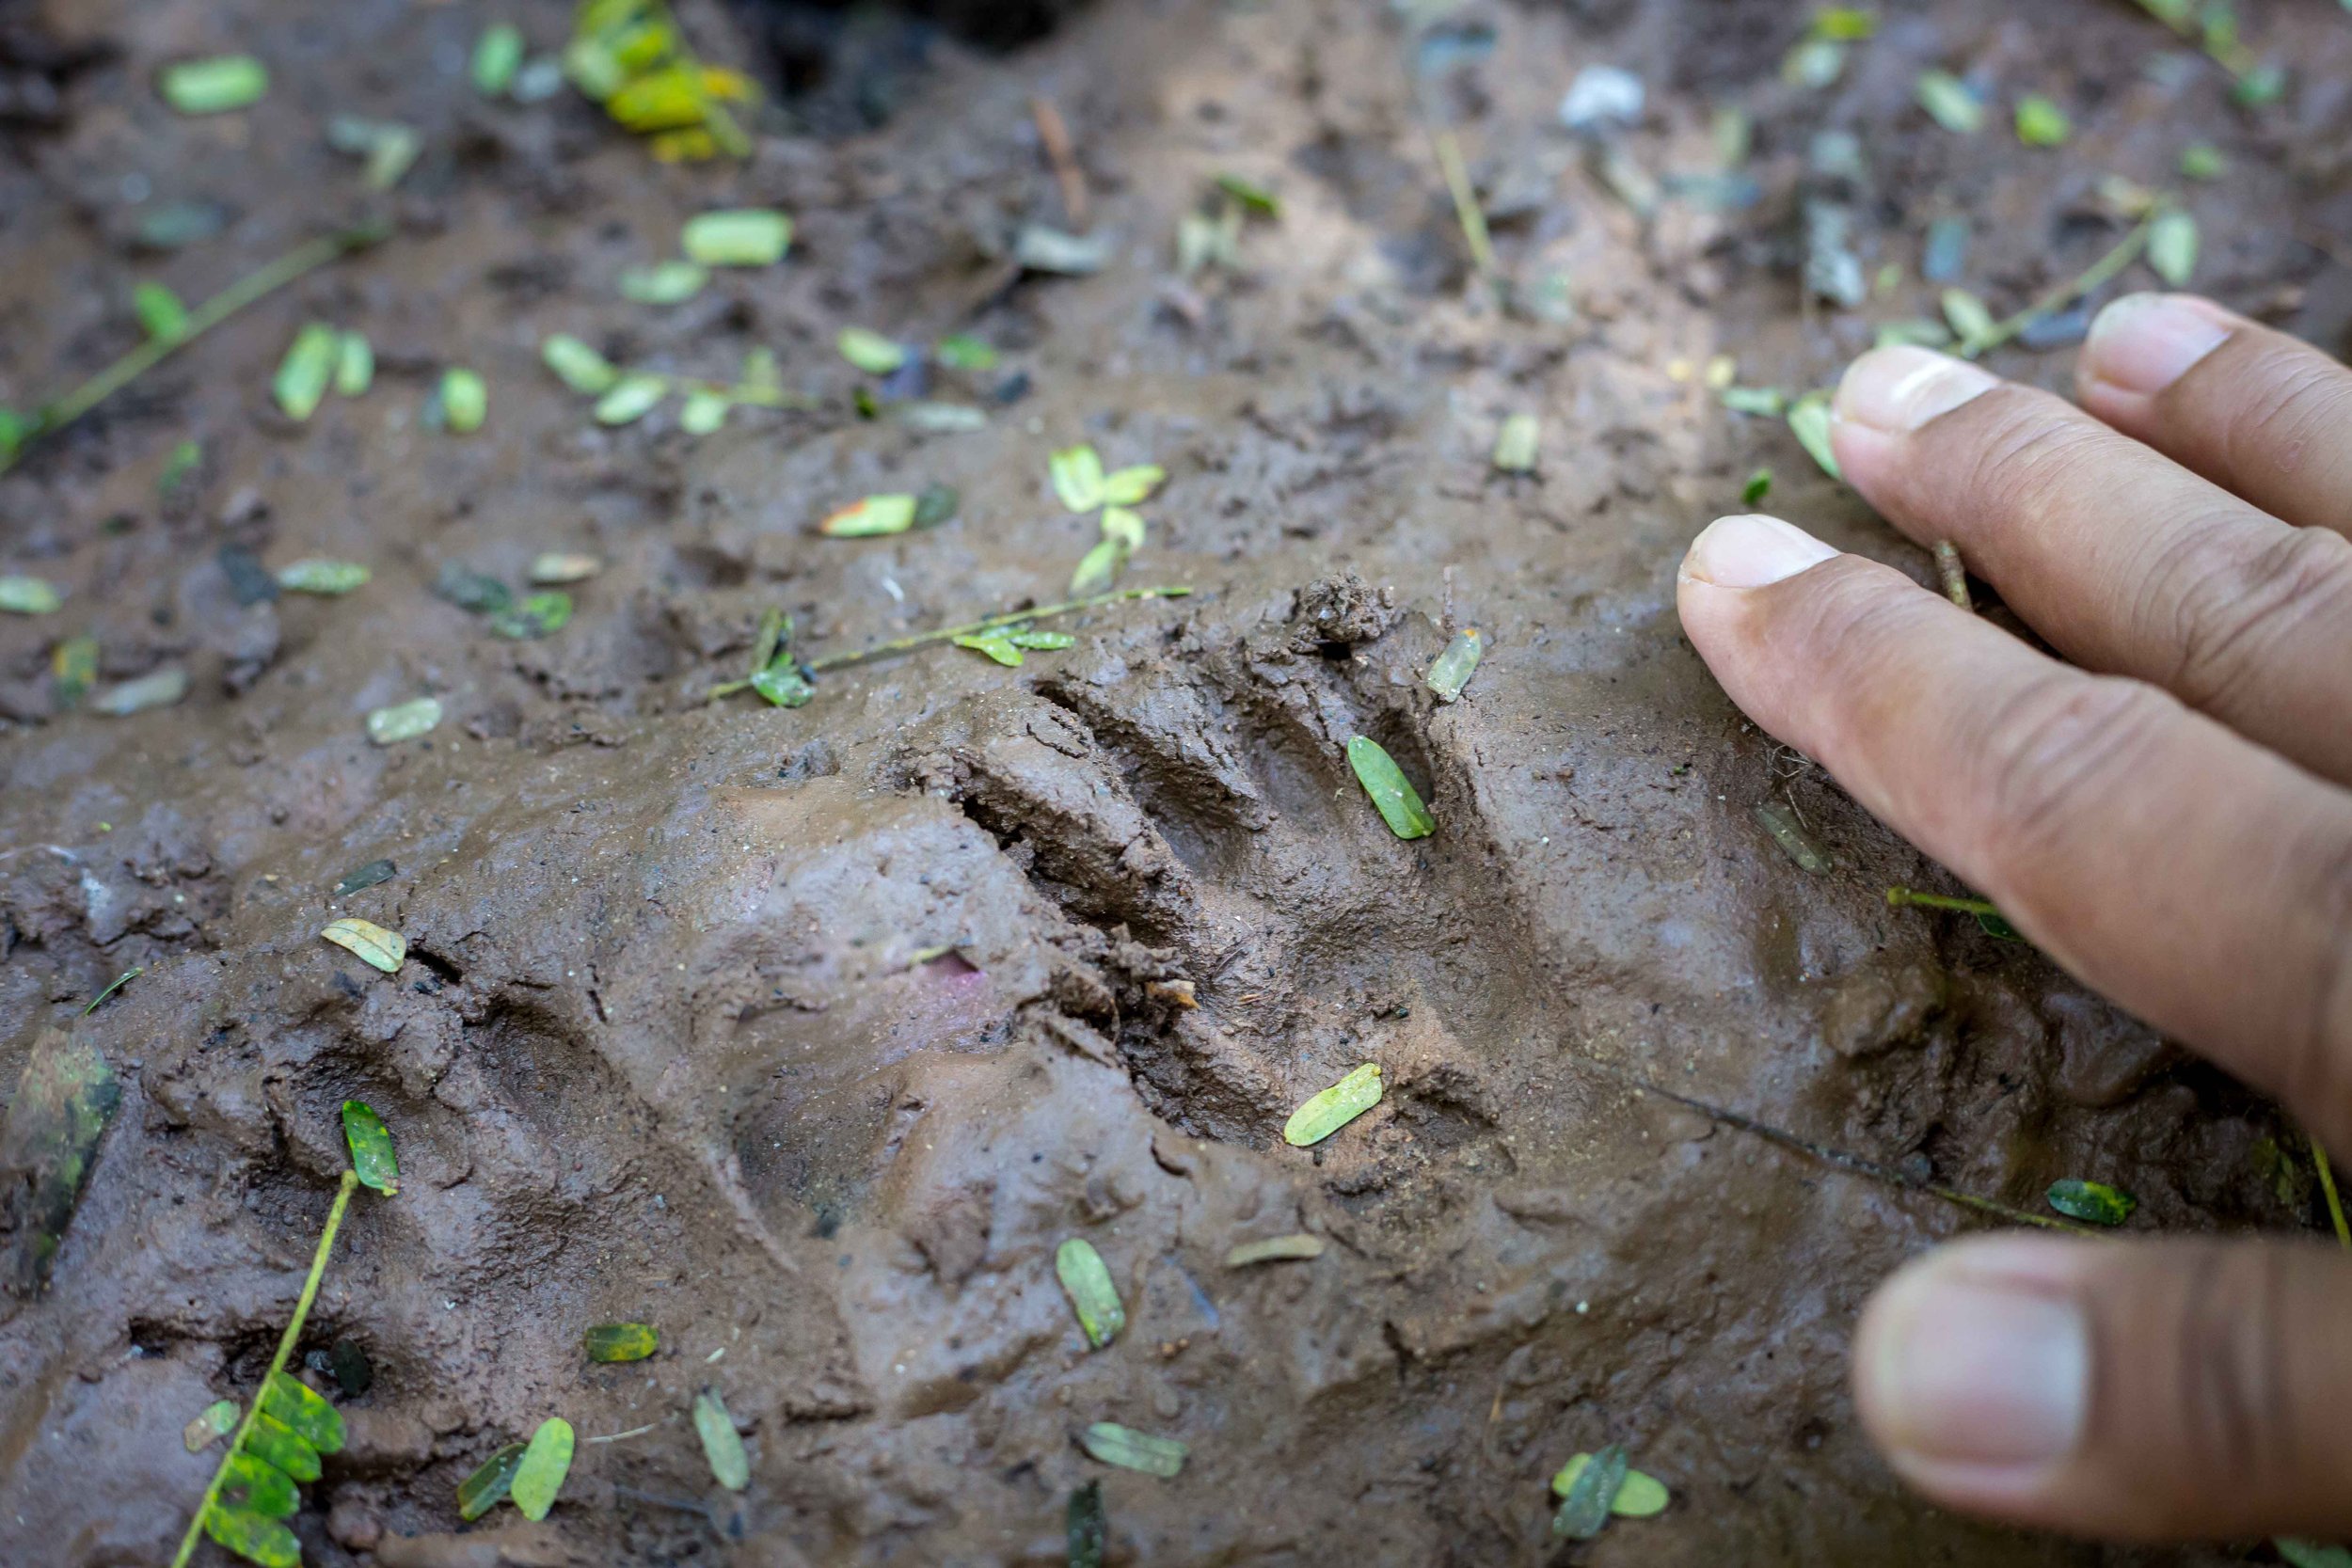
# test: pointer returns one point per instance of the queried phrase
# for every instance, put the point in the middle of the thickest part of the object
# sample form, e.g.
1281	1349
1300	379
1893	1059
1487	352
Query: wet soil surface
808	1035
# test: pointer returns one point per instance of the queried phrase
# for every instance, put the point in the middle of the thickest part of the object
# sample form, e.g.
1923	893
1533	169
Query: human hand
2167	817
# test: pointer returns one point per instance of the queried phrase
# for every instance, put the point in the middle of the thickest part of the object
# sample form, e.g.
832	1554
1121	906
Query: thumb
2153	1390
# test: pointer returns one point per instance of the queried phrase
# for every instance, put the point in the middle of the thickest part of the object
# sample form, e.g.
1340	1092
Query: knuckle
2027	456
2295	408
2319	1060
2231	620
2052	752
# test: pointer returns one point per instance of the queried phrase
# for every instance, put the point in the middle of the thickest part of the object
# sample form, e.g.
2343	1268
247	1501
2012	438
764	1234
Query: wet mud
807	1035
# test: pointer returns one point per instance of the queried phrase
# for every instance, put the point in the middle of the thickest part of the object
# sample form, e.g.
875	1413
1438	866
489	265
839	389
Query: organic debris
1399	803
1135	1450
371	943
1092	1296
1334	1108
722	1446
2092	1202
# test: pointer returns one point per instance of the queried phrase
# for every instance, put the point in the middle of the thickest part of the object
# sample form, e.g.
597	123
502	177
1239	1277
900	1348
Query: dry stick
277	1363
973	628
1466	209
1954	574
1853	1162
2328	1185
2126	250
1053	133
253	286
1900	898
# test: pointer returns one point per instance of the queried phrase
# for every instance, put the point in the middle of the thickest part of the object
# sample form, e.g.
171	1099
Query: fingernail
1751	550
1898	390
2144	342
1966	1368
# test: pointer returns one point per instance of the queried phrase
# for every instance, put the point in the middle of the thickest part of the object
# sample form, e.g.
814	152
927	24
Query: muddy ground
677	1039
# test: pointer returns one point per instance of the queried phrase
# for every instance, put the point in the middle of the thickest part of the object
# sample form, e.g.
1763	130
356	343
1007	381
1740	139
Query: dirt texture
807	1035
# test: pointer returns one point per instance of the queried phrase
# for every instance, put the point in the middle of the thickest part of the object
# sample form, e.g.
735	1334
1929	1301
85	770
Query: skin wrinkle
2232	616
2293	403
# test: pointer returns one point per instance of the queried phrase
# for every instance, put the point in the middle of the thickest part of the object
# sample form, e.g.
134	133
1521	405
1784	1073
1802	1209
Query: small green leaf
1453	669
1814	63
2092	1202
1124	527
1846	23
1915	331
303	1411
870	351
1257	198
632	398
178	467
1399	803
1798	845
1078	475
1325	1113
1097	567
275	1443
2172	246
214	86
1808	418
464	400
328	579
1769	402
371	1155
2041	123
1088	1281
1516	445
160	312
263	1541
783	683
935	505
73	670
576	365
534	615
552	568
1993	923
2203	161
481	1492
249	1486
365	876
742	237
497	55
157	688
1133	486
23	595
1950	102
664	282
1087	1530
389	726
1759	485
1639	1496
722	1446
1585	1511
872	516
214	1423
547	1460
1131	1449
372	943
1971	320
1042	640
303	375
995	644
704	412
2258	85
355	364
1039	247
760	377
962	351
622	1341
1274	1249
470	590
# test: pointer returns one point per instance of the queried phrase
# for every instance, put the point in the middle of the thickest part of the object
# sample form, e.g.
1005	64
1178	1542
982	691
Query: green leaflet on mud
1131	1449
1085	1530
722	1446
1399	804
2092	1202
487	1486
1454	668
614	1342
382	948
547	1461
1638	1496
1334	1108
1092	1295
372	1154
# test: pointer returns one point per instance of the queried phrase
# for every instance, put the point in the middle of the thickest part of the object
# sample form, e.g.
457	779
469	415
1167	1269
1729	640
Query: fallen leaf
371	1156
304	373
576	365
2092	1202
547	1460
2172	246
374	944
613	1343
328	578
870	517
1077	476
870	351
1639	1496
741	237
389	726
497	54
355	365
722	1446
1516	445
1325	1113
489	1484
664	282
1453	669
1088	1281
214	86
1131	1449
1583	1512
1131	486
159	689
1274	1249
464	400
23	595
555	567
1399	803
632	398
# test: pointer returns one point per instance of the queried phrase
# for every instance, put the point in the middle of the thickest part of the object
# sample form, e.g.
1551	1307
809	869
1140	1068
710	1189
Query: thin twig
973	628
286	1343
2328	1185
1466	208
120	980
245	291
1053	133
1855	1163
1954	573
1900	898
2126	250
623	1436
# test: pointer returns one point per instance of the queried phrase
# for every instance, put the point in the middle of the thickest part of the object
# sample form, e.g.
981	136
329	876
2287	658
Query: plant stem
1954	573
2126	250
286	1343
1856	1163
120	980
972	628
1899	896
1466	208
253	286
2328	1185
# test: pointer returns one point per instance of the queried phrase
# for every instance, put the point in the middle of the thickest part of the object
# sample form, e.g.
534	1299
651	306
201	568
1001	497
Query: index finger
2194	877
